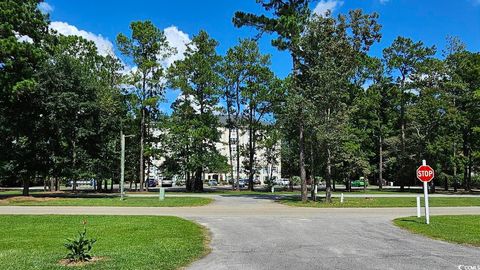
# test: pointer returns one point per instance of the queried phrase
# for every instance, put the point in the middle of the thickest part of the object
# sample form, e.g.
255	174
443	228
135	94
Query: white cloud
324	5
45	7
383	2
177	39
23	38
104	46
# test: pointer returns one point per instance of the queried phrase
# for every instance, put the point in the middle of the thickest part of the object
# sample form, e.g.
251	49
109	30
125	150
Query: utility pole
122	164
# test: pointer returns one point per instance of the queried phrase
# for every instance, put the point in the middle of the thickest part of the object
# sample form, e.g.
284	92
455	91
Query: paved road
252	232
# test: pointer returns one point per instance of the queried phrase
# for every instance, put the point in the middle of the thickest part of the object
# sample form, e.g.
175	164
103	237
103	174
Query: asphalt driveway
253	232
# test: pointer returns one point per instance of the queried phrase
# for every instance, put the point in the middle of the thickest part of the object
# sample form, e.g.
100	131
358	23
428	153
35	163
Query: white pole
341	198
122	165
425	192
316	189
418	206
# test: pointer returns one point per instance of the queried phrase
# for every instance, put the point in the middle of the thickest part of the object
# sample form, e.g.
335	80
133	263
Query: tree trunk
98	184
466	153
52	184
74	164
188	182
328	178
446	184
237	180
380	163
402	138
251	151
455	177
230	154
312	173
470	168
198	184
26	186
142	138
303	173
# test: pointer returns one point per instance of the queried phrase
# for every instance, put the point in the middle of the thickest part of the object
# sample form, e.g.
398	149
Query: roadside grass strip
106	201
455	229
123	242
382	202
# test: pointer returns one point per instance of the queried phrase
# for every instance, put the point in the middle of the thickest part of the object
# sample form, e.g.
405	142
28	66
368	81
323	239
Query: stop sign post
425	174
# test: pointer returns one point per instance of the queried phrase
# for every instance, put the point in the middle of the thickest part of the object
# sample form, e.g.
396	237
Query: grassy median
123	242
106	201
383	202
455	229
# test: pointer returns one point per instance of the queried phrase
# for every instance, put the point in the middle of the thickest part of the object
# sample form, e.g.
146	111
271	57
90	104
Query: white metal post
418	206
122	165
162	194
341	198
425	192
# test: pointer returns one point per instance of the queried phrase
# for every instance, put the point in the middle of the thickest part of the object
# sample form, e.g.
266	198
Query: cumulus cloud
23	38
45	7
178	40
324	5
104	46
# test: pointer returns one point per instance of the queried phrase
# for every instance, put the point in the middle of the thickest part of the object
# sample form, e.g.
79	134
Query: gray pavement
253	232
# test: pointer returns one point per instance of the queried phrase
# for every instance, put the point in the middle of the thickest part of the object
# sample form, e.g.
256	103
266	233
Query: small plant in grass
80	247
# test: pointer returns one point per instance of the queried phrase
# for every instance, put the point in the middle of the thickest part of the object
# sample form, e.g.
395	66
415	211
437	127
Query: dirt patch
69	263
25	199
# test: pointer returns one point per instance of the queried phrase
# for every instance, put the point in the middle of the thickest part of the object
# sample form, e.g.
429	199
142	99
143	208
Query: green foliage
80	247
147	48
193	127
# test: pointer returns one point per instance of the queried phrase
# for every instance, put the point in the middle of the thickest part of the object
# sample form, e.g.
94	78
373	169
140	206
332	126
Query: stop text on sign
425	173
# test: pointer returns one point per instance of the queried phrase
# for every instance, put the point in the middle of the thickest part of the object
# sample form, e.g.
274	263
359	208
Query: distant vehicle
281	182
242	183
360	183
256	181
152	183
167	183
212	183
90	182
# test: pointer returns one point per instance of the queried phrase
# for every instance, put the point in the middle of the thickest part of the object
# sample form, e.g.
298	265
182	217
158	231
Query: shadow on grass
413	221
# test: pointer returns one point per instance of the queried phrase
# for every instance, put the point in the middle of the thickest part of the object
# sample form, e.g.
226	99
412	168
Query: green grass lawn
383	202
456	229
106	201
125	242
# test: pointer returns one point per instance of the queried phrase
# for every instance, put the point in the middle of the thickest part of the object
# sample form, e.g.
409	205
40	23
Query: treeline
64	105
340	115
347	114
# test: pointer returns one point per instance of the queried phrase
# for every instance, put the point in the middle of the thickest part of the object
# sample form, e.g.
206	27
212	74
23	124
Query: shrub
79	248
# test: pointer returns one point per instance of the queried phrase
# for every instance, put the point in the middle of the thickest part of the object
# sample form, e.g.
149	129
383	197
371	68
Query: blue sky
427	20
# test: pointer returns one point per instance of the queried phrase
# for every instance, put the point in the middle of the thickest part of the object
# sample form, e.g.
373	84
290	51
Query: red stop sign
425	173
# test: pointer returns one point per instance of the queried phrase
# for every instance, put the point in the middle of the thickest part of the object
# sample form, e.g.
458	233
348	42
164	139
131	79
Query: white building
263	168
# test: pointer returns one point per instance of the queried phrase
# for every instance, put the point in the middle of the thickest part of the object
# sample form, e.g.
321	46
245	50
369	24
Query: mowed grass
455	229
383	202
124	242
107	201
